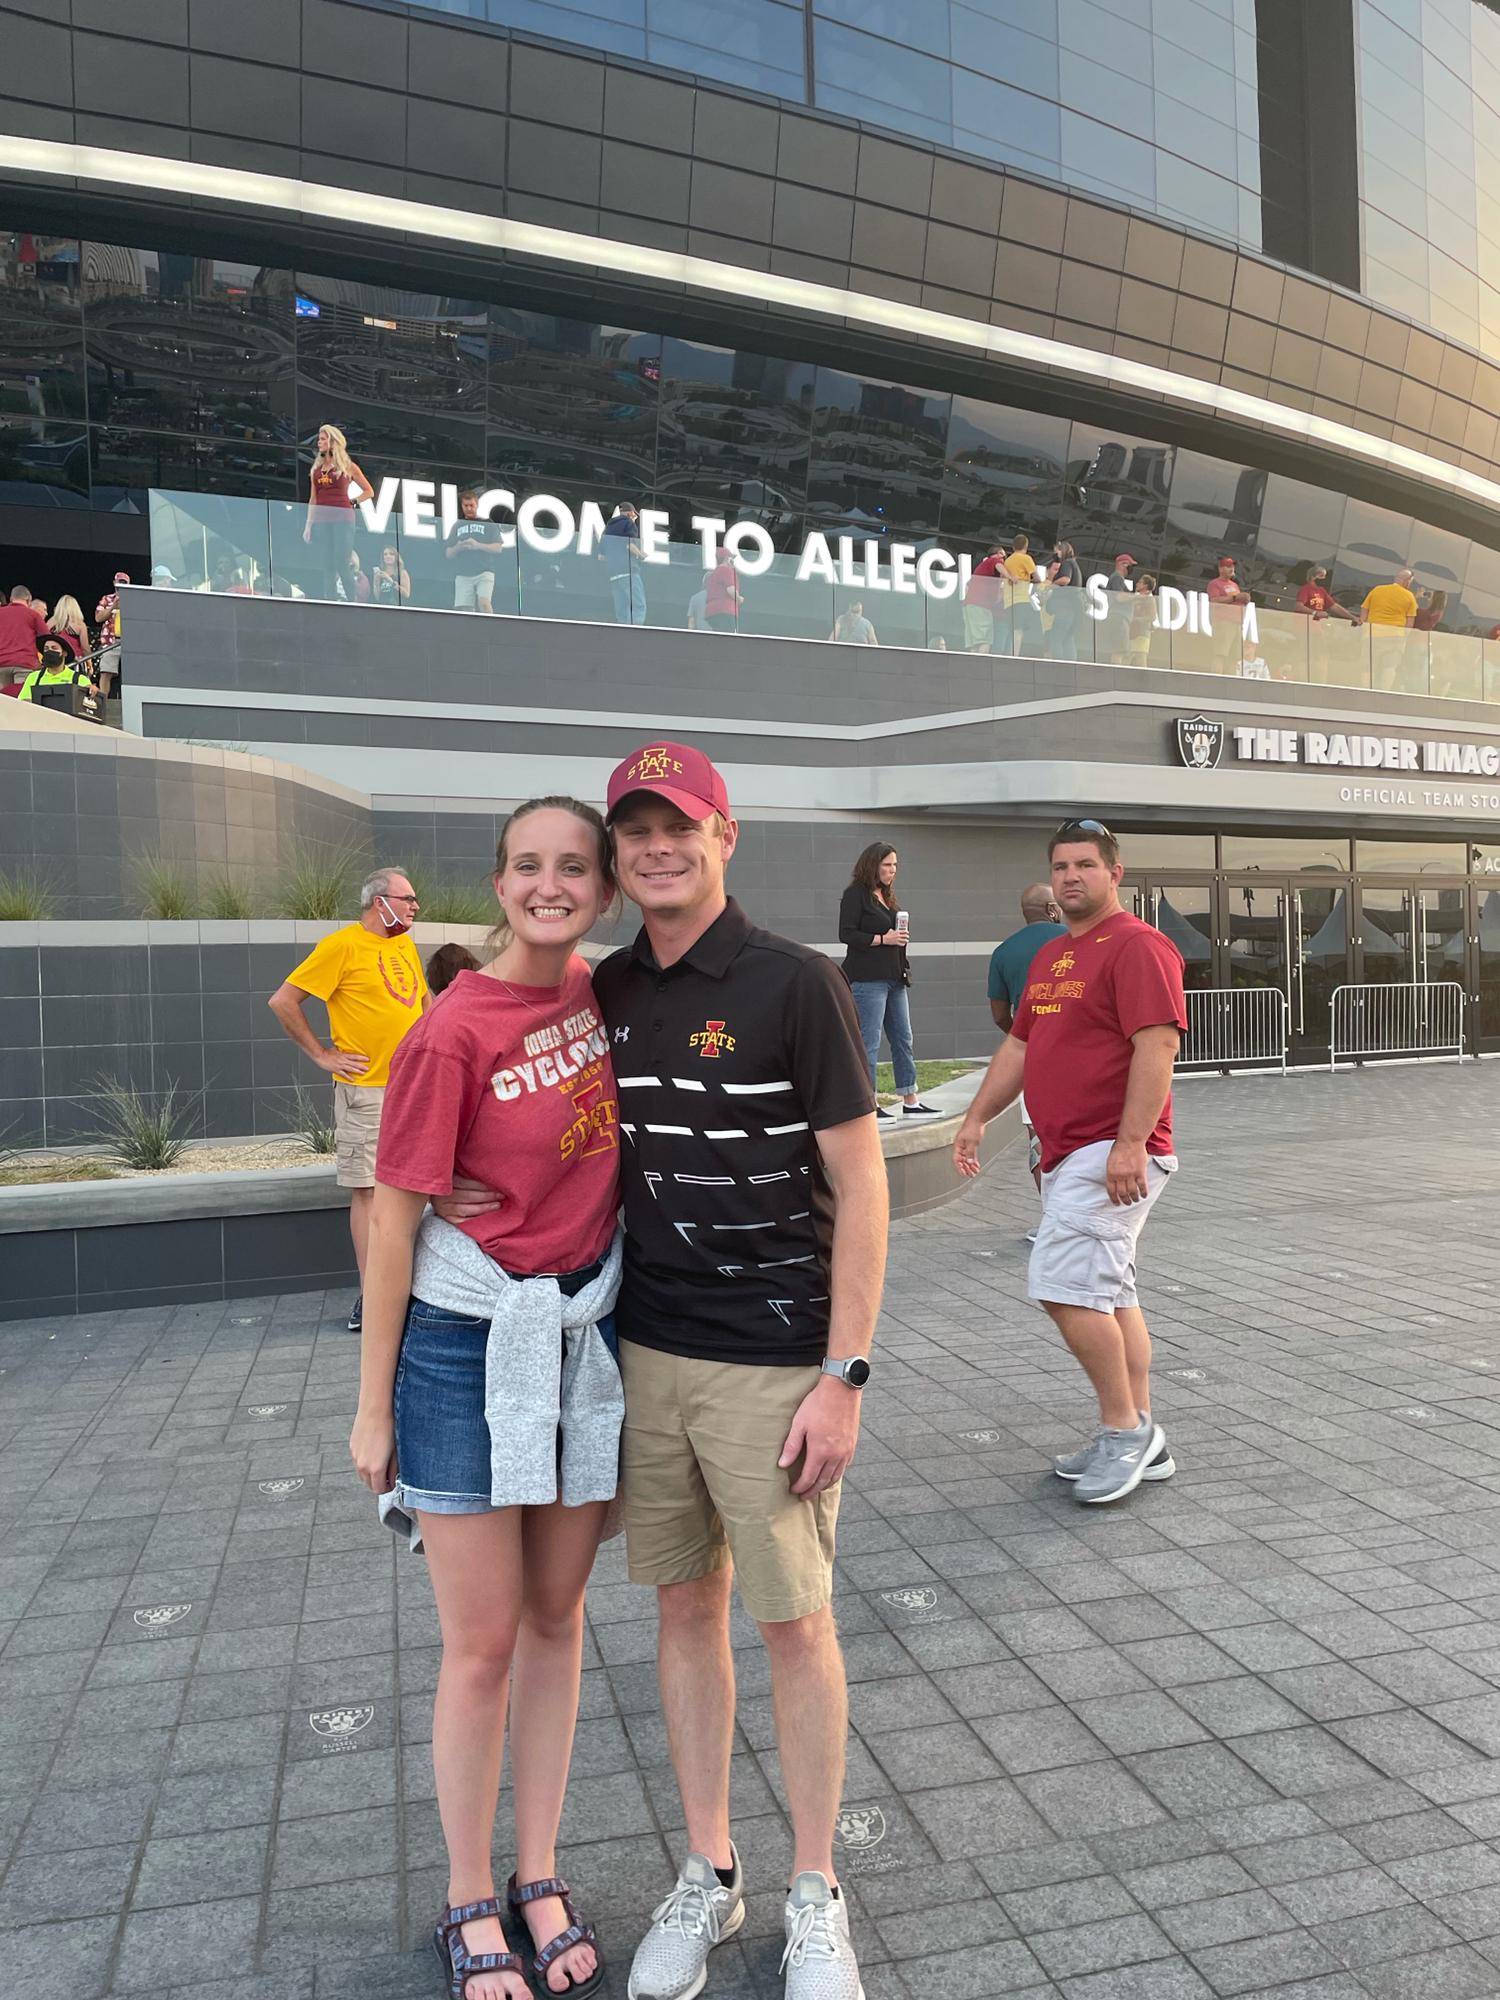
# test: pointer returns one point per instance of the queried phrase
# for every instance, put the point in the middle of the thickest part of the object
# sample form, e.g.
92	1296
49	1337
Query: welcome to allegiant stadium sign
550	526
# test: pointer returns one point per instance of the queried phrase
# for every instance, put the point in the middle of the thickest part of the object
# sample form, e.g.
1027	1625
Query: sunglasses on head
1082	826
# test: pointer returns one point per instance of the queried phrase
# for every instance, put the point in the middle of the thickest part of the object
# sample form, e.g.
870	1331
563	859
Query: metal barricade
1425	1018
1230	1026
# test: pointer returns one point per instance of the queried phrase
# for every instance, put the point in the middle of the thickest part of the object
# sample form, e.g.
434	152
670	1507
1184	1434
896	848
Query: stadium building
840	295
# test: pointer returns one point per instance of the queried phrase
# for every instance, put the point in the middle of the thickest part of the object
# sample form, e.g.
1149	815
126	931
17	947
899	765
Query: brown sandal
577	1932
459	1964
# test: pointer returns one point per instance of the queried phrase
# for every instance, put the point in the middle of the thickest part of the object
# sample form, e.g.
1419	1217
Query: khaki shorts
979	625
701	1486
1084	1254
356	1124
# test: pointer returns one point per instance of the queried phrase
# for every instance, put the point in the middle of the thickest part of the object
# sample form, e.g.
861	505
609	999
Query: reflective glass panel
733	435
1005	470
184	343
1114	496
41	329
877	461
1410	857
1276	853
571	400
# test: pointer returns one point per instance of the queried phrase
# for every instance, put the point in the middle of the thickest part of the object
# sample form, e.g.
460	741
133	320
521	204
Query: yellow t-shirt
1390	604
1020	569
374	989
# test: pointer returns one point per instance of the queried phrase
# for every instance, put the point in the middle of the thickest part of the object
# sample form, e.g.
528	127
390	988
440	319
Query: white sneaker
671	1960
819	1960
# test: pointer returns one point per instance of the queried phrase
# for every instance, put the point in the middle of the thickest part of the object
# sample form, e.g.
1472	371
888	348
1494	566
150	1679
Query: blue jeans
885	1004
629	592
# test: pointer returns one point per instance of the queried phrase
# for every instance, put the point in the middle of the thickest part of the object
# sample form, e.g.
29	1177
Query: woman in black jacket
877	970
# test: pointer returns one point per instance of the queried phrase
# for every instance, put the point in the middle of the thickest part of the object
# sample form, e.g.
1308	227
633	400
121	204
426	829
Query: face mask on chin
390	923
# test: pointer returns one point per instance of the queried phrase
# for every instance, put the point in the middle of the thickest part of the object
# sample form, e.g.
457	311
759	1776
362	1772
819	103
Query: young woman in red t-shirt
506	1080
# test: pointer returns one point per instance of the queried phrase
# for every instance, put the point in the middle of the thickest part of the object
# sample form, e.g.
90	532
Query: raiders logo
919	1598
1200	743
340	1721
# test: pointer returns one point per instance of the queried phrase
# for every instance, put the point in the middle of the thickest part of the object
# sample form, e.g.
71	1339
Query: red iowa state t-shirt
512	1086
1083	1000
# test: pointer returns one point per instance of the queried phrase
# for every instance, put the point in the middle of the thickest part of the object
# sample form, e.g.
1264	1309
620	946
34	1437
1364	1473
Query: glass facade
1429	90
1151	102
124	369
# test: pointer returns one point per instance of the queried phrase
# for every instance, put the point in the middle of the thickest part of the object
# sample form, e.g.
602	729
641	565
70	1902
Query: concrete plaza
1237	1736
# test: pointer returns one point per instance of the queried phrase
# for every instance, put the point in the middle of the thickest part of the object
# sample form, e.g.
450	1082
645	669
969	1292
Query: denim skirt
442	1438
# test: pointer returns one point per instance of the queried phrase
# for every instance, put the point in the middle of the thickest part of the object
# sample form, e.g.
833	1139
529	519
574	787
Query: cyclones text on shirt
569	1058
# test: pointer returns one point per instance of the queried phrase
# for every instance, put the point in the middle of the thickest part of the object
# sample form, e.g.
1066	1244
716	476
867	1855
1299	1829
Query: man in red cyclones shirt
1095	1036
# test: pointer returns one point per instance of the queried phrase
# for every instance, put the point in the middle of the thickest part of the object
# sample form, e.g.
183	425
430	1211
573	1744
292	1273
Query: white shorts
467	590
1033	1143
1084	1254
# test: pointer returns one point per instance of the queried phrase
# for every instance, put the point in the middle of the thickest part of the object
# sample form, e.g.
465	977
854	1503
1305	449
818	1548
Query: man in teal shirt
1010	961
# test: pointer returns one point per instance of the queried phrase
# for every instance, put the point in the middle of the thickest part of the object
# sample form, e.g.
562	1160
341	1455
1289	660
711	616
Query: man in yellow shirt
1389	610
1393	604
370	977
1025	619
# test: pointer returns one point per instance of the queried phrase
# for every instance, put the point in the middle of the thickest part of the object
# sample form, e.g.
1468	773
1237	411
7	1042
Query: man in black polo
756	1207
755	1212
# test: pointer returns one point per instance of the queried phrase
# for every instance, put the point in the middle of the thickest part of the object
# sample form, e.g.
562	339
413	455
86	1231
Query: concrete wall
154	1004
78	811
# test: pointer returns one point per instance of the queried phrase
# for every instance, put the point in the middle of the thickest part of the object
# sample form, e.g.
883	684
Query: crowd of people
48	652
622	1238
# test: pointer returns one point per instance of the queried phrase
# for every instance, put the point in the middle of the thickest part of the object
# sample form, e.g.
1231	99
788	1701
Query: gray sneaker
1118	1464
1075	1464
671	1960
819	1960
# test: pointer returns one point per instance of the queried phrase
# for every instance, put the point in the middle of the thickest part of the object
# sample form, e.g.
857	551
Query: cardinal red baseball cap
122	576
676	772
1123	558
1226	562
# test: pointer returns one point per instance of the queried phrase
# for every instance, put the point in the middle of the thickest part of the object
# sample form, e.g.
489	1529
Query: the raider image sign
1200	743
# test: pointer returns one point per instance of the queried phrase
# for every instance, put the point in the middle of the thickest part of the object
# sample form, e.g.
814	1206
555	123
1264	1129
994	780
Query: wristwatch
853	1373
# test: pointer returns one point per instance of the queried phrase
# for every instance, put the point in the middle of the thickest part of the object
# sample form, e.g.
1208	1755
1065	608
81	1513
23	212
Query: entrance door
1386	942
1184	912
1292	936
1322	959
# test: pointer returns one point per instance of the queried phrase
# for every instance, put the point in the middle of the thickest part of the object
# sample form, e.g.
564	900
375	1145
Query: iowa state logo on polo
711	1040
653	765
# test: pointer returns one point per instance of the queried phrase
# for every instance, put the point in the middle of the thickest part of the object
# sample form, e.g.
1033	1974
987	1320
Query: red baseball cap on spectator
1125	559
676	772
1226	562
122	576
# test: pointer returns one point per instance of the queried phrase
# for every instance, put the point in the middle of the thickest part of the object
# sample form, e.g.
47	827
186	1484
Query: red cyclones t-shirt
1083	1000
512	1086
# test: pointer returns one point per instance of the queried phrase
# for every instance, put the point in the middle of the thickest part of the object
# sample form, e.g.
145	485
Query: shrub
318	882
310	1120
456	903
164	886
25	896
135	1132
225	896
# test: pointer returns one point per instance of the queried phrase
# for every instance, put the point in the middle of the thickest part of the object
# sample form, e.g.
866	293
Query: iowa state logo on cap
653	765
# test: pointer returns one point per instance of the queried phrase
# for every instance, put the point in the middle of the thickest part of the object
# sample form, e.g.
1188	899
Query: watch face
856	1373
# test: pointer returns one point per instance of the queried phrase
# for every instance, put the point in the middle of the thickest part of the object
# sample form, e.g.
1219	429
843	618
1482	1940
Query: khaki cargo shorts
356	1125
701	1486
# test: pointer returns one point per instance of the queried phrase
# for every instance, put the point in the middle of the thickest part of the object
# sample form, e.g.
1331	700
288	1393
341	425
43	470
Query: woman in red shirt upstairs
490	1405
330	506
722	595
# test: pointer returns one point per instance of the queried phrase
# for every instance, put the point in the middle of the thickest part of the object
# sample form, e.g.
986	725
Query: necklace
500	980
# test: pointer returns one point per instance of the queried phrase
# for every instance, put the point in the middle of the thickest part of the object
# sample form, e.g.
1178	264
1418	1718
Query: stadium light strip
393	215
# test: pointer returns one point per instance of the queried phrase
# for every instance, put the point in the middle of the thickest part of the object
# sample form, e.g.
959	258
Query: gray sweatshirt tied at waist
546	1369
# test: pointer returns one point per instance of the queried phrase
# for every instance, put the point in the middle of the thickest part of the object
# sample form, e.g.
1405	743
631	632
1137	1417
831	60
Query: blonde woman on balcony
335	487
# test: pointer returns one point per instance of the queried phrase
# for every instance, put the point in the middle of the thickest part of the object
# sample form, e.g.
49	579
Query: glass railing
214	543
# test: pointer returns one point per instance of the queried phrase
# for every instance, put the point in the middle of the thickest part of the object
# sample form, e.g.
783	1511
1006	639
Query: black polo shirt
728	1064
